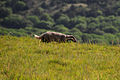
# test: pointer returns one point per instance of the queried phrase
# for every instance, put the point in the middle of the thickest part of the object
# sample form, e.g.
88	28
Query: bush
14	21
19	6
38	11
33	19
4	12
77	20
86	38
110	38
93	13
118	37
92	38
63	19
60	28
81	27
91	27
98	32
111	30
118	11
46	17
44	24
76	31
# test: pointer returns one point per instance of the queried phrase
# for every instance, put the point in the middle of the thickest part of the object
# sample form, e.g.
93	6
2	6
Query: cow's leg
62	38
45	38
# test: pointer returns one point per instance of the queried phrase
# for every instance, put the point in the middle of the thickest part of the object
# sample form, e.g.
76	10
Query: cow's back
55	36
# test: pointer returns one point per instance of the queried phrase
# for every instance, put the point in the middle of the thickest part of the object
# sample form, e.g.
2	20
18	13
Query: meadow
26	58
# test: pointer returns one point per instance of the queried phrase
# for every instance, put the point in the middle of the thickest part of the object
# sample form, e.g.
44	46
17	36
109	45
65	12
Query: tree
60	28
44	5
98	32
33	19
77	20
92	38
110	38
14	21
4	12
46	17
63	19
91	27
118	11
82	27
38	11
86	38
19	6
44	24
111	30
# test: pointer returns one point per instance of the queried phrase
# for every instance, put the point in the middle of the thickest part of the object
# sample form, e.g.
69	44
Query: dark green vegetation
25	58
95	21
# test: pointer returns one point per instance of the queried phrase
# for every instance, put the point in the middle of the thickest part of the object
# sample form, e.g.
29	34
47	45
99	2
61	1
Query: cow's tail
37	37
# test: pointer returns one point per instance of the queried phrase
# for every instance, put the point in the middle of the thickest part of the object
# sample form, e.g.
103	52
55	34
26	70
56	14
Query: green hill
95	21
25	58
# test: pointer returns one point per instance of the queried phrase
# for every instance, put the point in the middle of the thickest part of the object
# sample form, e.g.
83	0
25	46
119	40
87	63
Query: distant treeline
94	21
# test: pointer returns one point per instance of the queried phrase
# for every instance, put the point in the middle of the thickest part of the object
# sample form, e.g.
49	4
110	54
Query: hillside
95	21
25	58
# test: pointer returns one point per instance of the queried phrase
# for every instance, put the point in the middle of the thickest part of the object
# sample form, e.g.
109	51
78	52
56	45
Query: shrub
46	17
33	19
77	20
4	12
19	6
44	24
92	38
14	21
86	38
81	27
112	30
60	28
98	32
91	27
38	11
110	38
63	19
118	11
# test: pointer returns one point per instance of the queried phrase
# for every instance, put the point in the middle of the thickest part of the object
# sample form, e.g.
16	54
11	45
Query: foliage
33	19
82	27
4	12
60	28
63	19
38	11
77	17
19	6
44	24
46	17
14	21
111	30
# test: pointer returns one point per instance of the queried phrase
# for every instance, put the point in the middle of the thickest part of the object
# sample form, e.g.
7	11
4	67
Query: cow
55	36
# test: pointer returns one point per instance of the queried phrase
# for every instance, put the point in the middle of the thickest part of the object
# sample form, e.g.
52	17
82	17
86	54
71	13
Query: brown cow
55	36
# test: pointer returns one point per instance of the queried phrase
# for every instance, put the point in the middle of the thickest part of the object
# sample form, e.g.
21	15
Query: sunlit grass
26	58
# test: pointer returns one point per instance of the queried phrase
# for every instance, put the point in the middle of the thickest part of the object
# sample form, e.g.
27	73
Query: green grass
25	58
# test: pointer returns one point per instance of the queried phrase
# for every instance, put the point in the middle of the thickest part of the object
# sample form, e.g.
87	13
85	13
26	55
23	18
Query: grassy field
26	58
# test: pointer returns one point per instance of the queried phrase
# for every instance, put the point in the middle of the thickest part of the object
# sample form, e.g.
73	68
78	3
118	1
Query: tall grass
26	58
